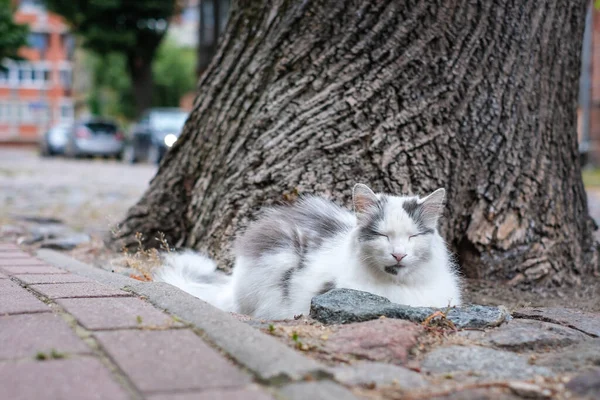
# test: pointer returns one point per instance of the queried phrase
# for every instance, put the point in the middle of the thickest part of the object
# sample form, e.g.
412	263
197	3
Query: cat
389	246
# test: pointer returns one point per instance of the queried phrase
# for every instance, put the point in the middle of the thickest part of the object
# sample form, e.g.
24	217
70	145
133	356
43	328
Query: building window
4	74
38	41
65	78
66	112
68	43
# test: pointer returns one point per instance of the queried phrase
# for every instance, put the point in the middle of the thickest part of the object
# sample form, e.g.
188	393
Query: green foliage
173	71
12	35
111	95
133	29
121	26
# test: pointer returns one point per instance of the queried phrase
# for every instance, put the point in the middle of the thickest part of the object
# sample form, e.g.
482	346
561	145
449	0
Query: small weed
139	319
54	355
143	260
271	328
295	337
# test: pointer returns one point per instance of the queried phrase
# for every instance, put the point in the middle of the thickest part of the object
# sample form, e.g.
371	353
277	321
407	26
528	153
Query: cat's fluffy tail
197	275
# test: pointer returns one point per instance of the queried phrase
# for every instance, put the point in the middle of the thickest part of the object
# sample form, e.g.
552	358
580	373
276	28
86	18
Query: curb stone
270	360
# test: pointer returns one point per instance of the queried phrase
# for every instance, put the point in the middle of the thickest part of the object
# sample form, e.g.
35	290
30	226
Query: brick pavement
64	336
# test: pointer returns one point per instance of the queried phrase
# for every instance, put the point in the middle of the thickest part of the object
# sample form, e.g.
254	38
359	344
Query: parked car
54	141
95	137
155	132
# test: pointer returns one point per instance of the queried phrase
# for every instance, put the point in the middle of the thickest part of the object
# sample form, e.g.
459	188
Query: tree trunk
140	70
312	96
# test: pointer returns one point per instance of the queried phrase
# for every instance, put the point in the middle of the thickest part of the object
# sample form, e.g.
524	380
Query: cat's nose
398	256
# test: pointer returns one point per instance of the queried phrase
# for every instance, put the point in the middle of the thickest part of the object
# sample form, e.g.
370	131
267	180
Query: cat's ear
363	198
432	207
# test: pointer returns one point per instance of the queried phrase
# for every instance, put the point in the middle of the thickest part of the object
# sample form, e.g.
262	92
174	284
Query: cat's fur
292	253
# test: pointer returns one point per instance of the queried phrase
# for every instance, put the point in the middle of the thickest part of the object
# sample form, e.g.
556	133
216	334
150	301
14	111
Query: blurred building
37	93
183	28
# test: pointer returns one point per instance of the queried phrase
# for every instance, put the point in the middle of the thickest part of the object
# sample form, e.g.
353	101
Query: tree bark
142	82
312	96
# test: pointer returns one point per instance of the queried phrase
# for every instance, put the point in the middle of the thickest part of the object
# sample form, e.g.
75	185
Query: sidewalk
74	333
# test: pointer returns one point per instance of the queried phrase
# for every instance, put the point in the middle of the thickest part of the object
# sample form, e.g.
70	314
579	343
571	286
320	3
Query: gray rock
322	390
49	231
66	243
340	306
480	363
574	358
586	322
533	335
586	384
380	374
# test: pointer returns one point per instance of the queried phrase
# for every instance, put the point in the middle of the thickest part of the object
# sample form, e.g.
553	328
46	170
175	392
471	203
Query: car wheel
128	155
154	155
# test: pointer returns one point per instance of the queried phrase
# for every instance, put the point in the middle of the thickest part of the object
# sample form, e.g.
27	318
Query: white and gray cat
389	246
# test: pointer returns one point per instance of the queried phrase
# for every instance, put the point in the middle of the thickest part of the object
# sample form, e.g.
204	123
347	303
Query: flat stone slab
341	306
480	363
250	393
574	358
33	270
116	313
322	390
521	334
29	334
74	378
379	374
380	340
170	360
584	321
16	300
586	384
71	290
2	276
33	279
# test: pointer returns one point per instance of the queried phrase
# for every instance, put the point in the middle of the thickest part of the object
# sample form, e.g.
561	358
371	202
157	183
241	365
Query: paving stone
380	340
477	394
170	360
476	362
35	269
250	393
9	247
584	321
380	374
13	254
71	290
74	378
323	390
341	306
264	355
586	384
574	358
26	335
16	300
20	261
2	276
51	278
533	335
115	313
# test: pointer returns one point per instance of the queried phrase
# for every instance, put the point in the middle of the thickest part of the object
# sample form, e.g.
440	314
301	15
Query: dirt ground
91	196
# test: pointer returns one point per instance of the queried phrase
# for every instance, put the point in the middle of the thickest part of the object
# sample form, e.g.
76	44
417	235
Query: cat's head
396	234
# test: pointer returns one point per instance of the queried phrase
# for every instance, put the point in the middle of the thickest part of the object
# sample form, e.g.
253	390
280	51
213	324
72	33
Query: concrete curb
269	359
